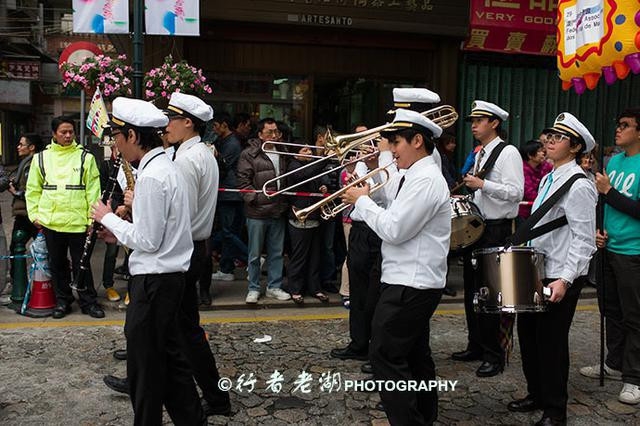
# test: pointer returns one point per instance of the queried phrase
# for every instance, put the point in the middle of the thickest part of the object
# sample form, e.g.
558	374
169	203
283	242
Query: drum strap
491	161
526	230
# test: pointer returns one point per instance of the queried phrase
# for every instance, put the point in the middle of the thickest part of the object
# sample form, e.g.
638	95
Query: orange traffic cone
42	300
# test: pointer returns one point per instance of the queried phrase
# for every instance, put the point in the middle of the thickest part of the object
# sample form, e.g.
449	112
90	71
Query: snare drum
467	223
510	280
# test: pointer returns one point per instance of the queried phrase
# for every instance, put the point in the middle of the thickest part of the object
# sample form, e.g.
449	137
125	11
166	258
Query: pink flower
107	92
208	89
192	86
177	90
163	93
149	83
102	79
122	57
149	94
203	79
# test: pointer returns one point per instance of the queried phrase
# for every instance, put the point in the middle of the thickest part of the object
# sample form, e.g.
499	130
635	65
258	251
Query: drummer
544	337
497	195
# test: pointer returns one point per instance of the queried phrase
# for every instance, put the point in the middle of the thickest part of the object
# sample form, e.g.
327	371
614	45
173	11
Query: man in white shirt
160	237
415	231
497	191
188	116
544	337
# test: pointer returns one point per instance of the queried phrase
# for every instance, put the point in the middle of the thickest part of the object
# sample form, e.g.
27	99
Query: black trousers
110	257
305	260
364	263
158	373
622	312
58	245
544	346
196	347
400	351
484	329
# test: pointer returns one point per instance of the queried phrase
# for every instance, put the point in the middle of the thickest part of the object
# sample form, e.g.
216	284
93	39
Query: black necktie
399	187
173	158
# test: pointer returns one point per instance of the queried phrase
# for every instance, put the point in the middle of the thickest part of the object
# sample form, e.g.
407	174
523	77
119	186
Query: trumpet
329	206
444	116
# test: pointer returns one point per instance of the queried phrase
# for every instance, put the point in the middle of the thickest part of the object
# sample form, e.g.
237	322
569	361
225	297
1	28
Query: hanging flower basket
161	82
113	76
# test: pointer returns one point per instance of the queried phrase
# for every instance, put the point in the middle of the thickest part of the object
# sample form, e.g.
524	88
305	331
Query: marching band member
363	258
497	195
160	236
544	337
415	232
188	116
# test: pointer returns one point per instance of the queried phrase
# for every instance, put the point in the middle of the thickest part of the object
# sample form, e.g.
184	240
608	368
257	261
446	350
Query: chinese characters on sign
20	70
407	5
513	26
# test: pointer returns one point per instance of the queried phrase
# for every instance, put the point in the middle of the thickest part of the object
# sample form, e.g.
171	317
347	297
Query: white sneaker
630	394
278	293
221	276
593	371
252	297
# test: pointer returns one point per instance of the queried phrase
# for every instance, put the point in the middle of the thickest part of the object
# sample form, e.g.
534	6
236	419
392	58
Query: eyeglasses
554	138
622	125
268	132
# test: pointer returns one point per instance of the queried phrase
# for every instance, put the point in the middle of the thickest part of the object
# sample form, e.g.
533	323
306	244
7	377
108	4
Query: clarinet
79	280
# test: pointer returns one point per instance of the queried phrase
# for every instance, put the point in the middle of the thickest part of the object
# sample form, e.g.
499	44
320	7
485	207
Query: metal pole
600	273
83	117
138	47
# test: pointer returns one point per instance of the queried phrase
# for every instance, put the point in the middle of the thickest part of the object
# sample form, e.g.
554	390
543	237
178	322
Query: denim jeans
230	215
268	233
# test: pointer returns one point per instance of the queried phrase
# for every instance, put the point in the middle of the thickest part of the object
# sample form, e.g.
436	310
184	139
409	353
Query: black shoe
367	368
348	353
120	354
523	405
550	421
117	384
61	311
379	406
467	355
488	369
448	291
221	408
94	311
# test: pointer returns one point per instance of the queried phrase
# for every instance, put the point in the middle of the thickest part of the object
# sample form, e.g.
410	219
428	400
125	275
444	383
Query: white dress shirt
503	185
415	229
160	234
199	169
568	249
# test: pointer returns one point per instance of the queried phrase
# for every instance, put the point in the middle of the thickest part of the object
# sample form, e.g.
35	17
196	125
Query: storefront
312	62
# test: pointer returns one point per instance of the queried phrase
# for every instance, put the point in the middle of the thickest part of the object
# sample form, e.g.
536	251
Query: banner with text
101	16
513	26
176	17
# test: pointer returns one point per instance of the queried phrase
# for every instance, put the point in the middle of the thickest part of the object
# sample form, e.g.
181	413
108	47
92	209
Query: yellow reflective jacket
63	184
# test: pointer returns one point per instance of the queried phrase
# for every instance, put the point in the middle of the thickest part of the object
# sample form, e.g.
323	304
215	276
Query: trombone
294	145
345	145
330	208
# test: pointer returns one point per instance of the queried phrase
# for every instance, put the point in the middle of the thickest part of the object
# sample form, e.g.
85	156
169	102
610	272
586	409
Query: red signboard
513	26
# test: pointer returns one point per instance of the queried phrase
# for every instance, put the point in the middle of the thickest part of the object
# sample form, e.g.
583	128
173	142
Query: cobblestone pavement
53	375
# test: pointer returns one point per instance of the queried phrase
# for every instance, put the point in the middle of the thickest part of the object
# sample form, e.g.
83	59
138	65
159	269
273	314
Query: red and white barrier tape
311	194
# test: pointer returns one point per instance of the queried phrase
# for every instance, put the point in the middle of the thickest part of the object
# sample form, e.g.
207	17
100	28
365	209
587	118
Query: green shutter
533	96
